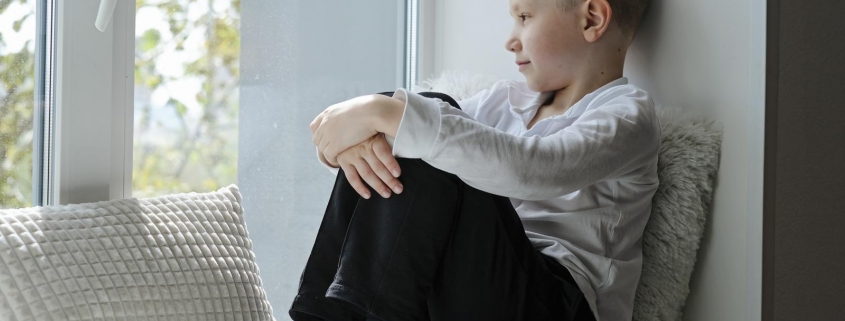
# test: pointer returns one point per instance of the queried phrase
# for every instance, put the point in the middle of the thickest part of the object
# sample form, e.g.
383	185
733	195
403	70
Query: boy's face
549	40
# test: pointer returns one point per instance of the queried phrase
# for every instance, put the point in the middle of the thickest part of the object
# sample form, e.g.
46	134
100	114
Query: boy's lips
522	62
521	65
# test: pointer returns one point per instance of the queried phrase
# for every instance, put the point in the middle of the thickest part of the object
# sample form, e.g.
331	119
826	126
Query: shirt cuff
419	127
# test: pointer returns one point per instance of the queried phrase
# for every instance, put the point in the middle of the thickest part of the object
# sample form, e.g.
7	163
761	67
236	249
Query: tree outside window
186	96
17	84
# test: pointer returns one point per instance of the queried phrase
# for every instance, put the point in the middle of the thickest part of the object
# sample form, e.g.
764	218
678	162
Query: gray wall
297	58
804	231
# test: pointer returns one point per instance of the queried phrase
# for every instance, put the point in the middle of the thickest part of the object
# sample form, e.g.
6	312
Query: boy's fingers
323	159
355	180
329	152
385	155
316	137
371	178
315	124
383	174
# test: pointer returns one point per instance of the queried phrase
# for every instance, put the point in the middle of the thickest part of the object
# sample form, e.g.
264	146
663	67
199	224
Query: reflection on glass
17	85
186	96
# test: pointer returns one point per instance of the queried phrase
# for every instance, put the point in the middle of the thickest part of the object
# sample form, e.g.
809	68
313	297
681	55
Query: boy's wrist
387	115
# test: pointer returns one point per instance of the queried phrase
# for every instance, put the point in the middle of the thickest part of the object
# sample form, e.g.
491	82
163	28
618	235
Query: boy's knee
416	164
417	169
441	96
430	94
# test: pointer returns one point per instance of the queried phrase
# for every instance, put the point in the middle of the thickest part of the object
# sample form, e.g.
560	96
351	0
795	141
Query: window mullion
42	142
123	78
93	103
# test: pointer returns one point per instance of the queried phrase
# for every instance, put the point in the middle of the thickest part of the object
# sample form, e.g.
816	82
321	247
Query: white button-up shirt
582	182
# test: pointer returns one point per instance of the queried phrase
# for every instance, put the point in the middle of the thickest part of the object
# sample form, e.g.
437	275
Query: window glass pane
186	95
17	84
297	58
195	131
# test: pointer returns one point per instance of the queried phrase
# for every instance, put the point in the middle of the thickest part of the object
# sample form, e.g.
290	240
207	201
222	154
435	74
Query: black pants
441	250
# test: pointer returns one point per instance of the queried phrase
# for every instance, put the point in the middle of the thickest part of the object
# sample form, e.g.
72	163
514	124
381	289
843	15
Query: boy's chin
531	84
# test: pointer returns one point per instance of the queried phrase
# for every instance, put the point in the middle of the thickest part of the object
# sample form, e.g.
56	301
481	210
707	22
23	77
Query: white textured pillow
173	257
687	165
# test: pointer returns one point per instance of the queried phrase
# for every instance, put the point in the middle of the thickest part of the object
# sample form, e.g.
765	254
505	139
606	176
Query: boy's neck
565	97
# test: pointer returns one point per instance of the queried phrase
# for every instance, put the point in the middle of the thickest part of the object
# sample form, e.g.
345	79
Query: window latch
104	14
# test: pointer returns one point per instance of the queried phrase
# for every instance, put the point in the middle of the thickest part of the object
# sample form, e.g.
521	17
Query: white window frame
94	97
428	12
94	103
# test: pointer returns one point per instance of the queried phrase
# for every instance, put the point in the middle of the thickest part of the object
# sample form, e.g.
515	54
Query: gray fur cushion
173	257
687	166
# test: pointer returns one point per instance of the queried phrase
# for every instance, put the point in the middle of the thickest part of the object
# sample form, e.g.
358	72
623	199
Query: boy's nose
512	45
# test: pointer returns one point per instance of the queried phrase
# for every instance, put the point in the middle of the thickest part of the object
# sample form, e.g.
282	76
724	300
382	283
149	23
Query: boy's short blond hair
628	14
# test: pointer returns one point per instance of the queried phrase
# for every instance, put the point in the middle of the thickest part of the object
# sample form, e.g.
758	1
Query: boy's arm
469	105
604	143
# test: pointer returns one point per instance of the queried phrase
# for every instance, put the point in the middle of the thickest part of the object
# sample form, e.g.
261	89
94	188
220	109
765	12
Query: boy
568	173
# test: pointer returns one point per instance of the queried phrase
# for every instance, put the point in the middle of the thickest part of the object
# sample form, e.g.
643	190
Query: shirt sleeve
469	106
604	143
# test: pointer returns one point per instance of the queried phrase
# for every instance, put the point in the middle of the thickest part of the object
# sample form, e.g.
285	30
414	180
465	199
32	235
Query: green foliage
199	155
17	70
4	4
202	153
149	40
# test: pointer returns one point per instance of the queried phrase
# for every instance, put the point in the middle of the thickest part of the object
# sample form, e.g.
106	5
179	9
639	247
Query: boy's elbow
538	192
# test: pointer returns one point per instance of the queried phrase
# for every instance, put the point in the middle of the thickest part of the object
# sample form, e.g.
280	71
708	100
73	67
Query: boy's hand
372	160
344	125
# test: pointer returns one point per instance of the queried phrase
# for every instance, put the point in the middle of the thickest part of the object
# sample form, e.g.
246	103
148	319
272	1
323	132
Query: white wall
706	56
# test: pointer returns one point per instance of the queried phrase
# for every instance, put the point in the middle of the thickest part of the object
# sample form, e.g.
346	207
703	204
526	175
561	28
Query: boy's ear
597	14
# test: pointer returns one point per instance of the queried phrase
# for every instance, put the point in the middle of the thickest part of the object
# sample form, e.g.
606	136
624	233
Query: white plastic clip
104	14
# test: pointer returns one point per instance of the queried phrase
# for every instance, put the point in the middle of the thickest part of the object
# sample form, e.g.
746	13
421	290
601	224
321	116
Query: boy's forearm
387	114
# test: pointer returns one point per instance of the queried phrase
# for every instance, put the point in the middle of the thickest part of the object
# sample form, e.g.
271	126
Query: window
224	92
192	95
17	102
187	56
297	58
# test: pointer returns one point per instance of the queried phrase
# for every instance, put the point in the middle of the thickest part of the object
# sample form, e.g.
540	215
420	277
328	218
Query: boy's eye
523	17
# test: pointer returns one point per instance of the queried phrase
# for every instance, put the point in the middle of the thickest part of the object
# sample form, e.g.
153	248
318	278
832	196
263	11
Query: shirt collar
523	100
